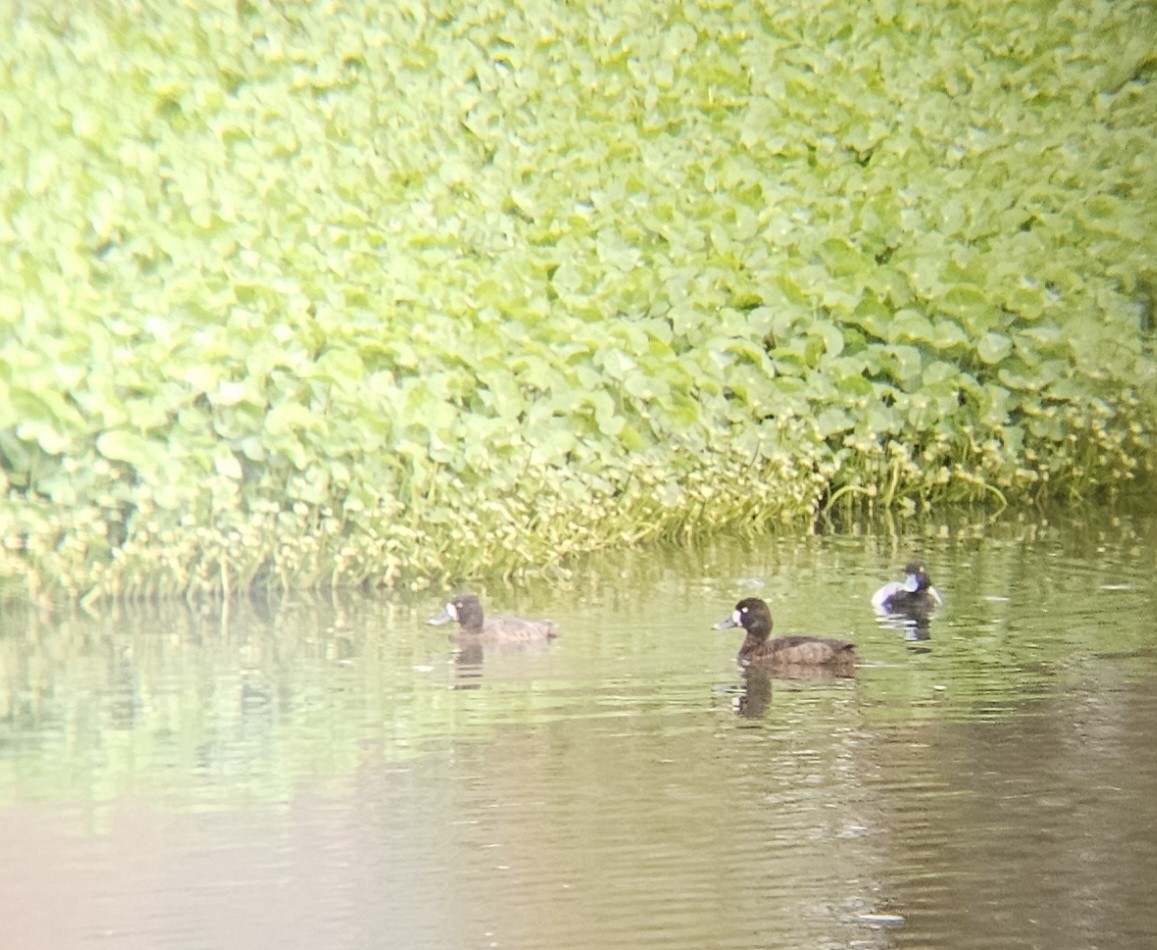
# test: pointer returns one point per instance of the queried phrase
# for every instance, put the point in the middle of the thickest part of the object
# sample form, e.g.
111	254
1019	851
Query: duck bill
444	617
725	624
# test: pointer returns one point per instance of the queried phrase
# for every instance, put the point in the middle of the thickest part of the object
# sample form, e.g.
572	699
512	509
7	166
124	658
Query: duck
802	652
466	609
913	595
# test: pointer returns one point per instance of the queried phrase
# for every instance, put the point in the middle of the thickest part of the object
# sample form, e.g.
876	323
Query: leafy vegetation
389	291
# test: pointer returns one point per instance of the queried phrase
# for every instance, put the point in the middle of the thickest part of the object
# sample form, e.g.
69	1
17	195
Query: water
325	772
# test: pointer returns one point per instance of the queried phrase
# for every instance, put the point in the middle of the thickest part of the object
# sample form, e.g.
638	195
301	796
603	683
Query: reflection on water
332	772
915	625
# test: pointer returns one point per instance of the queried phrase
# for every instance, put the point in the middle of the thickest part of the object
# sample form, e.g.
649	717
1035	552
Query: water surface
327	771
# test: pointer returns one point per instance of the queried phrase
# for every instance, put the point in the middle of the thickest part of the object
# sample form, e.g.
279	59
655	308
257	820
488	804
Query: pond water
325	771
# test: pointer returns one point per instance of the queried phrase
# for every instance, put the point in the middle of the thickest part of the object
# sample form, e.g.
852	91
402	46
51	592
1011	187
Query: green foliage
389	291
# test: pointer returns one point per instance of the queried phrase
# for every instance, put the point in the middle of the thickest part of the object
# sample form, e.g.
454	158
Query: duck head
753	615
916	577
466	609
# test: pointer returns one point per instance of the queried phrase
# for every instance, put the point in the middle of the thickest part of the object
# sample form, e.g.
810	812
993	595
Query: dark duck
794	653
466	609
913	595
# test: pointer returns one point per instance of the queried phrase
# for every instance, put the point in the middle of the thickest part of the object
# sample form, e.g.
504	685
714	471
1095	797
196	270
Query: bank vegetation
389	292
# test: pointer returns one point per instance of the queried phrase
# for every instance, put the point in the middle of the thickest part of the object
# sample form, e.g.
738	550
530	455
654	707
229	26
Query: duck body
913	595
466	609
799	652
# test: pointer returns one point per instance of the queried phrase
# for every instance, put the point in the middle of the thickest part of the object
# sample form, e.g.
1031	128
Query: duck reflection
468	664
914	624
470	654
751	698
755	696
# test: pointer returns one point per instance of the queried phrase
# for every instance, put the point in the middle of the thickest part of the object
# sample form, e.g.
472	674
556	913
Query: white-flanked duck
913	595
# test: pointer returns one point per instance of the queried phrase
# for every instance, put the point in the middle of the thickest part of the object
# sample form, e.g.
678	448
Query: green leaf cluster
395	291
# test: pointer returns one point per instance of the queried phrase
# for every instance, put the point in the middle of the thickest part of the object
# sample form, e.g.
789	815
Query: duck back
516	630
811	650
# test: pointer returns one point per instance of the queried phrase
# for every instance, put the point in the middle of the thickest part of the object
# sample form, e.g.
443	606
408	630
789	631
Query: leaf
615	363
44	434
122	445
940	373
947	334
226	464
832	337
343	367
832	421
291	417
993	347
911	325
967	302
841	258
229	393
881	419
904	361
552	444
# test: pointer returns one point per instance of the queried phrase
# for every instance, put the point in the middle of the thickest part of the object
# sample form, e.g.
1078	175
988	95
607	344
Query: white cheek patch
737	618
452	611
